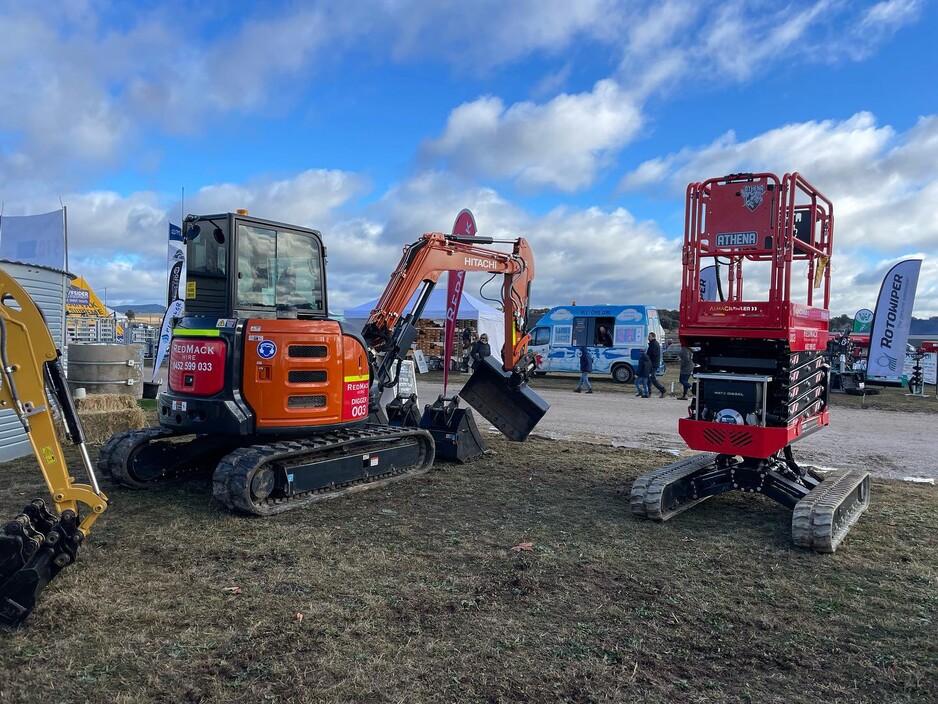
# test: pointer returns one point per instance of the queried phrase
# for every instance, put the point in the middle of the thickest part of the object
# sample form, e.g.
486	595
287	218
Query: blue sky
576	125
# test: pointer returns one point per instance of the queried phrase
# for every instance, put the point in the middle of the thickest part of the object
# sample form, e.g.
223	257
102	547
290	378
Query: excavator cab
244	267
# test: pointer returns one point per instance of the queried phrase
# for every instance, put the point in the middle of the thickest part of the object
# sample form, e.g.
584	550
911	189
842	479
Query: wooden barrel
102	368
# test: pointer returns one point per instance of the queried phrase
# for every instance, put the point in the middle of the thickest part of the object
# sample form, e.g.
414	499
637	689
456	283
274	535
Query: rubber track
112	460
645	497
821	520
232	478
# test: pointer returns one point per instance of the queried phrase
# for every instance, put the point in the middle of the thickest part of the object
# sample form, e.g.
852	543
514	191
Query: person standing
654	354
586	366
480	350
687	368
642	374
466	350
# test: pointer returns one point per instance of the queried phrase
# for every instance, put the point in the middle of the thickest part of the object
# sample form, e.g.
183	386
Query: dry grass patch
415	593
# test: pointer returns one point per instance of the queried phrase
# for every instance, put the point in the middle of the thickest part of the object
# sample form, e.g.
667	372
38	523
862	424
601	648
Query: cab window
206	254
278	268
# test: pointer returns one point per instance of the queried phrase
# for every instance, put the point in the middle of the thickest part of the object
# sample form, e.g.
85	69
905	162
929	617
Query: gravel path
888	444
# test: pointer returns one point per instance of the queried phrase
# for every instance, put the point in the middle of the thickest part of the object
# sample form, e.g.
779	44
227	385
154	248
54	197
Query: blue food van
559	334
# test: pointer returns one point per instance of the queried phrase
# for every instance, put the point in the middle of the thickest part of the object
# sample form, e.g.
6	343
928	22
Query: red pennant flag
465	225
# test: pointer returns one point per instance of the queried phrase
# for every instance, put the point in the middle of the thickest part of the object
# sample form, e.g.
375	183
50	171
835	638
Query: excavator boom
497	390
39	542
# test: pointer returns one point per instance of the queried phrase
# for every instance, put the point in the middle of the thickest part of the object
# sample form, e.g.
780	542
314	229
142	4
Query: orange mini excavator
281	402
762	379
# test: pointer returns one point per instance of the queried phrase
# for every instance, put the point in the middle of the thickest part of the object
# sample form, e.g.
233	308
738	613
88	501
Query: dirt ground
890	434
519	577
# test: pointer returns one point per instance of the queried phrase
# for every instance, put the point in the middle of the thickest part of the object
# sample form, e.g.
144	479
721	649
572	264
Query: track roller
824	510
822	519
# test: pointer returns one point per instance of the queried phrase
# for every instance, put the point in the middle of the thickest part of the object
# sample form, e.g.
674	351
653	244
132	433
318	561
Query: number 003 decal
355	398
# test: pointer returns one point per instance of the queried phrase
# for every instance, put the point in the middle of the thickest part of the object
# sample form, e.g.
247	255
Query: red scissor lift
762	381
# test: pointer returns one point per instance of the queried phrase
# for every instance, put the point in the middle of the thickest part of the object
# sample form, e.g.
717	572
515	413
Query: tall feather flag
892	318
465	225
175	292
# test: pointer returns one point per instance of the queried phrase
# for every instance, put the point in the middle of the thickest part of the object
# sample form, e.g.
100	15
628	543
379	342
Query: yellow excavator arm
39	542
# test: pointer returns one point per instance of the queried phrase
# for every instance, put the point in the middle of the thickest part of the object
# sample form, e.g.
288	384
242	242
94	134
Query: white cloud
591	256
488	33
562	143
680	43
306	199
883	186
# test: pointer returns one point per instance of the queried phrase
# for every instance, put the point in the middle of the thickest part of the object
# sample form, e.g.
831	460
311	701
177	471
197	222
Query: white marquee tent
488	320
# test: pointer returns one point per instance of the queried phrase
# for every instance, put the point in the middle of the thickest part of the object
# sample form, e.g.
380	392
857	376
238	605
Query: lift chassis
762	382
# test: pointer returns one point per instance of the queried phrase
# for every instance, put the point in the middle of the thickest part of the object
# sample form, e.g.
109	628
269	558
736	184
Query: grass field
520	577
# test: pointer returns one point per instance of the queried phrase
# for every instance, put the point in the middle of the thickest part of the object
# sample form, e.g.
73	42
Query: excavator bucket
454	430
402	411
511	408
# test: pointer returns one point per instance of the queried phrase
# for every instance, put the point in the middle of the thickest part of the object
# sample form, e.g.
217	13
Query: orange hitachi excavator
281	402
43	539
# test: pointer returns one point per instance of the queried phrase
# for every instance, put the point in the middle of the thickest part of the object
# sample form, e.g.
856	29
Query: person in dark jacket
642	374
466	350
480	350
603	338
687	368
586	366
654	354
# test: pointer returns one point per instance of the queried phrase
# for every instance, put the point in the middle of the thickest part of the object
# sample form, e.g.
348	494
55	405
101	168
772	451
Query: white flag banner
175	293
892	317
34	239
708	283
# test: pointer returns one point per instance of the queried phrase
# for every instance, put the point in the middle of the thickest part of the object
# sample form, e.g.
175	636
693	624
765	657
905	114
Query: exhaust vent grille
306	401
306	376
736	438
308	351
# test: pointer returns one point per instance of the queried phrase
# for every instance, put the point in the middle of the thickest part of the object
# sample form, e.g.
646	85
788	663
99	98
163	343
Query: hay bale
100	425
106	402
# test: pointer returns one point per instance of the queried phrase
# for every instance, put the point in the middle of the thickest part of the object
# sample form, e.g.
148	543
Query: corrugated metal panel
47	288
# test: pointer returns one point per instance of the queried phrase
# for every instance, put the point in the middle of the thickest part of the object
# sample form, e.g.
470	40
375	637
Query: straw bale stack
103	415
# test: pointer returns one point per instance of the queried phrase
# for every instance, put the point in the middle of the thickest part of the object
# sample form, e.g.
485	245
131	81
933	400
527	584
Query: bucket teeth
822	519
34	547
